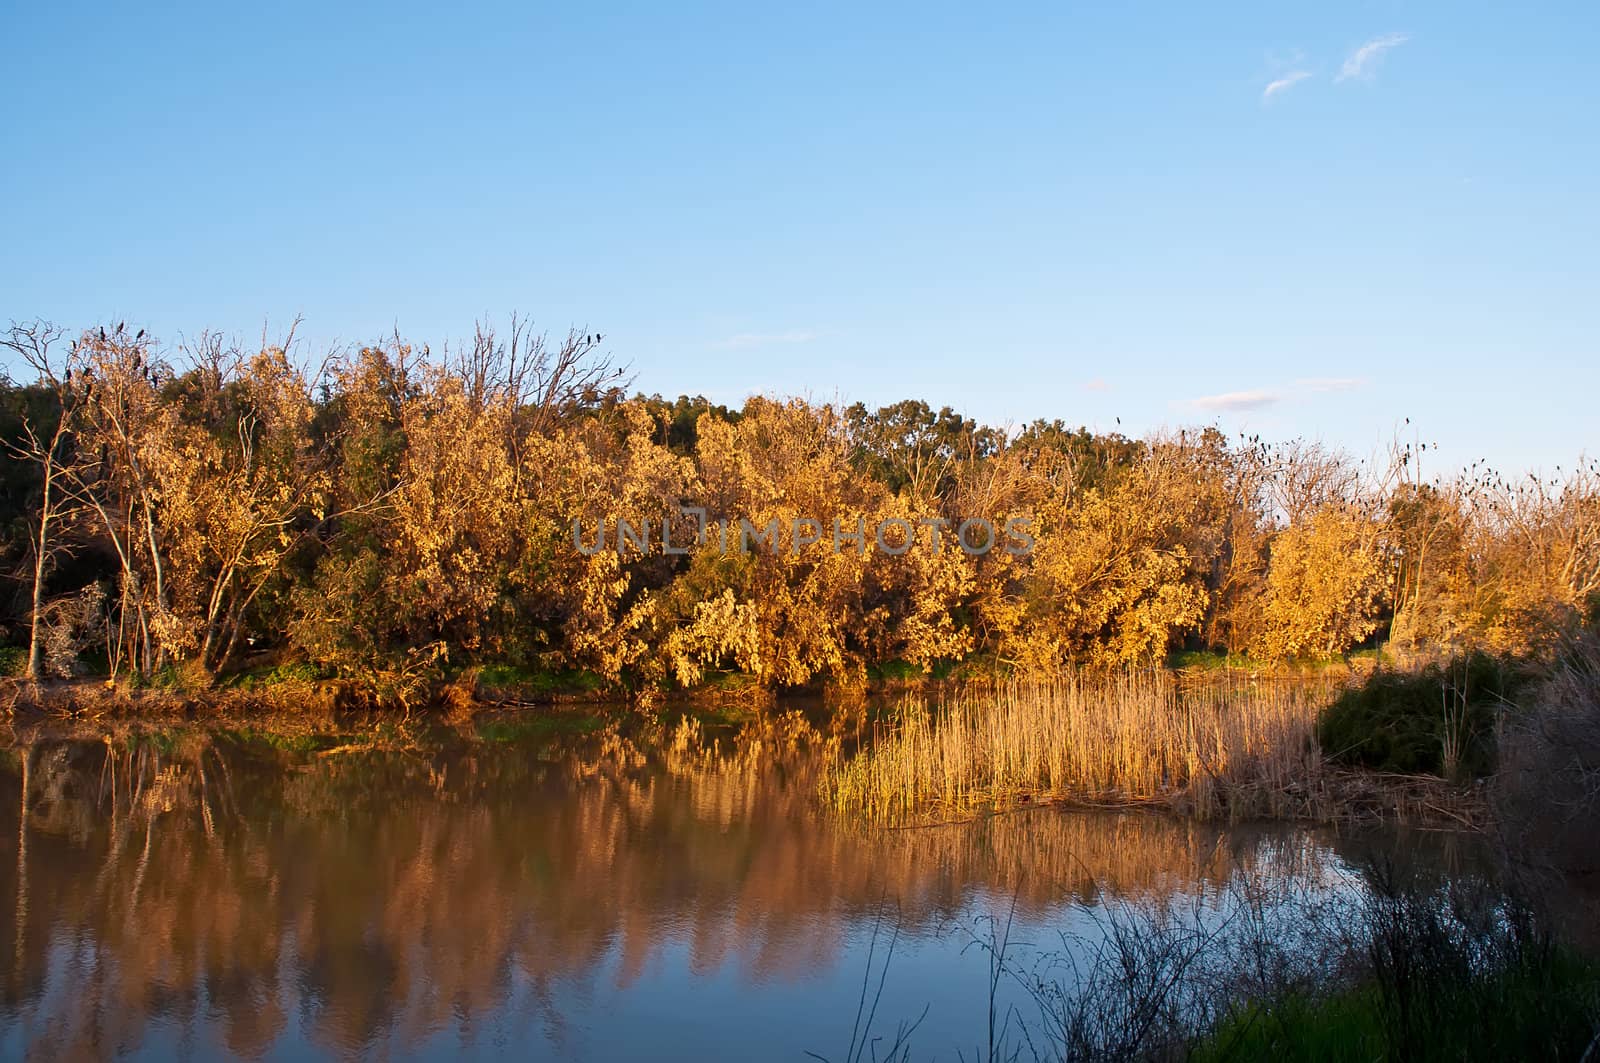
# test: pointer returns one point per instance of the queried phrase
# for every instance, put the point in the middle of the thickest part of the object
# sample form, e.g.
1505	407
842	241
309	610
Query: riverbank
1356	741
1232	745
1213	739
286	686
297	691
1392	963
841	738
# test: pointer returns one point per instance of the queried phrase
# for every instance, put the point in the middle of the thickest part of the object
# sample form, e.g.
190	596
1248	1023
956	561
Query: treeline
393	515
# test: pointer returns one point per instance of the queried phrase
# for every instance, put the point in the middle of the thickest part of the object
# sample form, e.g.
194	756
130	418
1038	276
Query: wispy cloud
1324	384
742	340
1236	400
1304	389
1363	62
1097	384
1284	84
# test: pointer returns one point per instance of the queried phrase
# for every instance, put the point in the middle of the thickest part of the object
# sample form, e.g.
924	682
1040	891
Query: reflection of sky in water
610	900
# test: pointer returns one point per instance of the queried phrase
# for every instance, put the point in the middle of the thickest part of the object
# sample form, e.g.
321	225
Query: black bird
102	335
119	325
140	336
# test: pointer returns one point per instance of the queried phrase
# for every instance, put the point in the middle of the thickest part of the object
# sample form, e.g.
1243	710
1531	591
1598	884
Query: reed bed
1232	742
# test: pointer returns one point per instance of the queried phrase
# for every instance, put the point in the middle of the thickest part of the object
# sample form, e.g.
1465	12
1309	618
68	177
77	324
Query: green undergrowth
1437	720
901	671
1544	1007
514	679
260	679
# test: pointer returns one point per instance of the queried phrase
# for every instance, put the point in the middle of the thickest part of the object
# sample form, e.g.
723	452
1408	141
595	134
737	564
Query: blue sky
1291	218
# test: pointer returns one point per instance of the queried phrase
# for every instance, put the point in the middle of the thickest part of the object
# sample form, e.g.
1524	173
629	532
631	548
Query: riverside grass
1234	742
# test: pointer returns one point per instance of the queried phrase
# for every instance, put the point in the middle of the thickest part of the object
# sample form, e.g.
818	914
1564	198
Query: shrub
1439	720
1459	972
1547	793
282	674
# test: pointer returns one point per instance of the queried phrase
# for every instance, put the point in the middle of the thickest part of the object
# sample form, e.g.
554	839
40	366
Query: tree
47	441
242	484
1112	578
1325	585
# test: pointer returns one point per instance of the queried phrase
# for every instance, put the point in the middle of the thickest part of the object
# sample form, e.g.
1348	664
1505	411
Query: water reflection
655	892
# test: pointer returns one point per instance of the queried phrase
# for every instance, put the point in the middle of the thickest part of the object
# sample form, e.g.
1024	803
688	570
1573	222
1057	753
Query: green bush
1438	720
1462	971
895	670
13	661
539	681
261	679
1537	1007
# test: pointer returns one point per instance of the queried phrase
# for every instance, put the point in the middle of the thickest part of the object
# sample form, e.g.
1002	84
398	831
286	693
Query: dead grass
98	700
1224	742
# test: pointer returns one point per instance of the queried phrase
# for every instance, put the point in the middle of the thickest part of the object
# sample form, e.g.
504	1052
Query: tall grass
1220	741
1395	965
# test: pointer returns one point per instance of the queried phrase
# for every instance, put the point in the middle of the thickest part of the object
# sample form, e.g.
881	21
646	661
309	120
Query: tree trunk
36	616
41	553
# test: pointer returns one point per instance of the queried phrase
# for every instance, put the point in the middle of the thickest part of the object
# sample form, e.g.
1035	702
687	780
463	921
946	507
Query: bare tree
528	371
563	377
119	409
49	446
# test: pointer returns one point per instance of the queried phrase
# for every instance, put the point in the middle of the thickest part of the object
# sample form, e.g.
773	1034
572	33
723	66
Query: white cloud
1364	60
1236	400
742	340
1332	383
1097	384
1301	390
1284	84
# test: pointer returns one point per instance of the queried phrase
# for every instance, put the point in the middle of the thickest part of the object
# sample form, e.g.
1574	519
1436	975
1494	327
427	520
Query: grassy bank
297	688
1542	1007
1394	965
1463	970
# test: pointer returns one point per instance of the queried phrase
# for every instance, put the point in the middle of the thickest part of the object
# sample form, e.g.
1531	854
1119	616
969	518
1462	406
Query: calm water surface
505	892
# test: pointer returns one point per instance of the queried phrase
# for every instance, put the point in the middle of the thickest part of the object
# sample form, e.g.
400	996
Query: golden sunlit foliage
393	516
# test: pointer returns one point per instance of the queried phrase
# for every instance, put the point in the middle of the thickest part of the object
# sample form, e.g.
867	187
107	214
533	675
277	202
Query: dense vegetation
1466	969
395	515
1438	719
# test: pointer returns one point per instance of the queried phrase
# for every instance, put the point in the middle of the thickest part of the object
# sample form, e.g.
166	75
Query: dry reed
1237	742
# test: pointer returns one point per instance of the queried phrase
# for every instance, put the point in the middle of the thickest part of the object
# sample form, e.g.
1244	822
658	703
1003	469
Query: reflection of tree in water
388	894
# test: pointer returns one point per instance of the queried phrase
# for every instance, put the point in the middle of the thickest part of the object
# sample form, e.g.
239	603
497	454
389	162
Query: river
505	890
